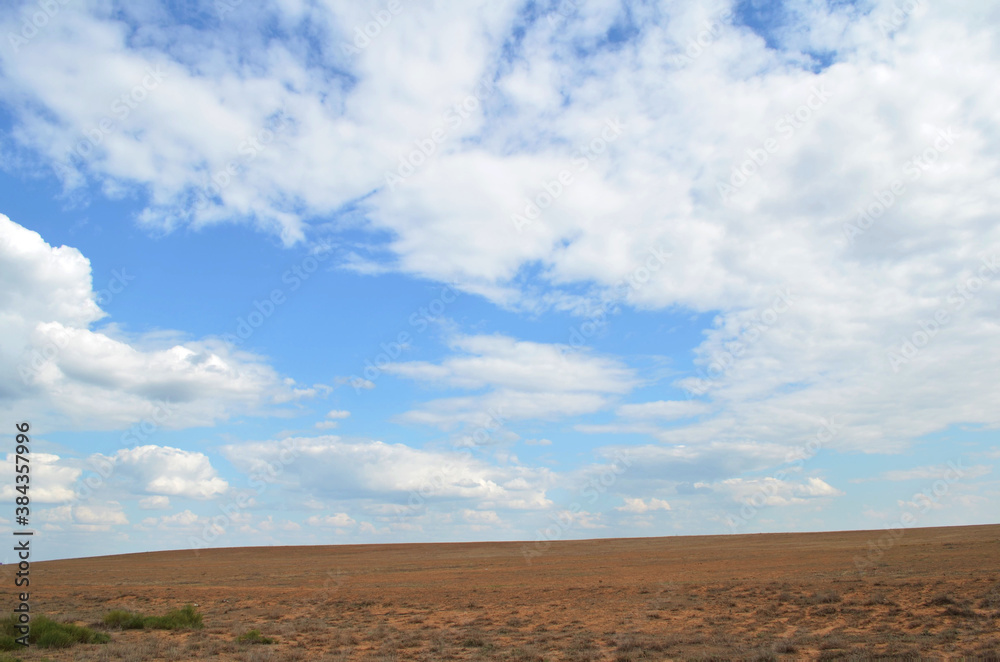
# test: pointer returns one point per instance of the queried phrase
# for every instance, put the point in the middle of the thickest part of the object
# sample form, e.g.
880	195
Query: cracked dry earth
935	594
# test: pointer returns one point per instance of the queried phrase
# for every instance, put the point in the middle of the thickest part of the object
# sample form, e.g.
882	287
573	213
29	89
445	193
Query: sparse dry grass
762	598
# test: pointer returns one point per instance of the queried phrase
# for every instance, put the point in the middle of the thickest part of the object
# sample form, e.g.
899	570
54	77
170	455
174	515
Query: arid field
931	594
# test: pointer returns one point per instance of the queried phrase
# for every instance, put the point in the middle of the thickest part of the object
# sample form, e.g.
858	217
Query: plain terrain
934	593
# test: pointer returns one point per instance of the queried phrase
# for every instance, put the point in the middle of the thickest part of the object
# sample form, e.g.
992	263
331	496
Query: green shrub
124	620
46	633
178	619
254	637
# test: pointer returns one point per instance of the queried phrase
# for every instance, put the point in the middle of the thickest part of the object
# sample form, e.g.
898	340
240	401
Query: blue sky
497	271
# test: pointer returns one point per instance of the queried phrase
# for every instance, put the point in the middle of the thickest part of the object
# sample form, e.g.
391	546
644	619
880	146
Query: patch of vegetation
46	633
960	610
824	598
124	620
941	600
992	599
255	637
785	647
878	598
187	617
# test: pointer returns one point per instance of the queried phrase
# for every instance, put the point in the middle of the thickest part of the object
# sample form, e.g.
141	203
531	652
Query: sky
326	272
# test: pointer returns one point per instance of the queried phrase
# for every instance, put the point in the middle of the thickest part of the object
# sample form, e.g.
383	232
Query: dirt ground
930	594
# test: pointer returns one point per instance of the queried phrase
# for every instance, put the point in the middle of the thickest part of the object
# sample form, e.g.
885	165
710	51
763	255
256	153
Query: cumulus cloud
639	505
333	419
331	467
775	492
165	472
952	470
526	380
337	520
89	516
184	519
663	409
154	503
90	378
51	481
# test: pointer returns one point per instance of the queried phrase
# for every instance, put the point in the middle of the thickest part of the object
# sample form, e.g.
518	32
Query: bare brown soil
935	593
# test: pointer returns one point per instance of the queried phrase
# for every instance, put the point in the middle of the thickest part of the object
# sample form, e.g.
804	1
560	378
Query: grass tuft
187	617
254	637
124	620
46	633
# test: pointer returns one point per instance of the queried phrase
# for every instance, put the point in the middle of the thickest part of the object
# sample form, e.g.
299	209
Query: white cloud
639	505
481	517
154	503
109	513
165	471
326	466
664	409
527	380
83	378
89	516
538	442
581	518
49	480
951	471
775	492
184	519
334	416
338	520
